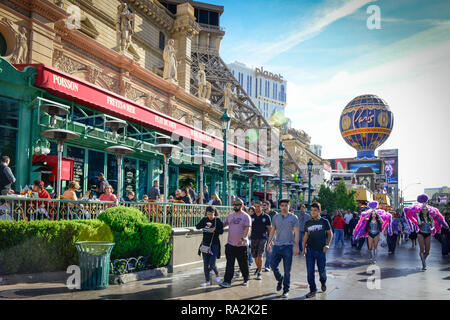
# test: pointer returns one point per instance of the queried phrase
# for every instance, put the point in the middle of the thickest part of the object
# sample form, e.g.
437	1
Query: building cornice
44	8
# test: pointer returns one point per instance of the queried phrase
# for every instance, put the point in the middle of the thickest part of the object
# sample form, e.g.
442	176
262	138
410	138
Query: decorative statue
228	95
170	61
21	52
204	87
124	25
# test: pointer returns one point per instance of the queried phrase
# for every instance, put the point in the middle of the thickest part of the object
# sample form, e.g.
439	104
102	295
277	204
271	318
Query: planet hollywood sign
268	75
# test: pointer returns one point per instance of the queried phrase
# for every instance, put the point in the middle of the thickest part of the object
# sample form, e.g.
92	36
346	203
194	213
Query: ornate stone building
118	46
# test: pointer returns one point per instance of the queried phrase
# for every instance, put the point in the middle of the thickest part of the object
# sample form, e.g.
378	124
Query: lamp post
297	187
281	149
202	158
250	173
60	136
231	166
265	177
225	121
119	151
303	187
166	149
310	167
276	181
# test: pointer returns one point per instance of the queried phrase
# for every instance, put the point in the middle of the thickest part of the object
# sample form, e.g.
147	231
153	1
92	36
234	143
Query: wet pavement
401	277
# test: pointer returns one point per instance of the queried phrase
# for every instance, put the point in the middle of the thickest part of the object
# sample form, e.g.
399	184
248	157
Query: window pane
3	47
203	16
143	178
96	164
112	171
129	175
214	18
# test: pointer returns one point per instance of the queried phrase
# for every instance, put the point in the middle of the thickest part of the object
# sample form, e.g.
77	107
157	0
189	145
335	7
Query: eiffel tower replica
245	114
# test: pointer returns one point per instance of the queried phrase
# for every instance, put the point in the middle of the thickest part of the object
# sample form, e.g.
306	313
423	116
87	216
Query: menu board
78	166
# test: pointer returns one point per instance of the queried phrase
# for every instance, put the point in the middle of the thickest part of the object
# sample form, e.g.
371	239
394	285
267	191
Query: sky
329	56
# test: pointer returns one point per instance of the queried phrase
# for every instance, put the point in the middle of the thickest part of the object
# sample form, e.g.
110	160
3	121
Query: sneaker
324	287
280	284
311	294
285	294
266	269
225	285
204	284
259	276
218	279
245	283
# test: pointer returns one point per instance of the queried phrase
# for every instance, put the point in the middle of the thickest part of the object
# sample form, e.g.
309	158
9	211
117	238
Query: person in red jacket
339	225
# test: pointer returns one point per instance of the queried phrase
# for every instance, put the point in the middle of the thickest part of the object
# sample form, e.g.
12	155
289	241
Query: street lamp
166	149
225	121
297	187
231	166
310	167
60	136
250	173
276	181
265	177
281	149
119	151
202	158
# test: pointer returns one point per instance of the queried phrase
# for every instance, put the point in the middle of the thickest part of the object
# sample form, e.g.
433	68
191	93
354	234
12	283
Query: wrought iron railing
178	215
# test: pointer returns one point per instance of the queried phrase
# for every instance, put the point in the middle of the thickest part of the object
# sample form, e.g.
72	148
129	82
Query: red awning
65	86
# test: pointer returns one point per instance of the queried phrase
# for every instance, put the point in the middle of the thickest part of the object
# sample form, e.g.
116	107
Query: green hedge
135	236
44	246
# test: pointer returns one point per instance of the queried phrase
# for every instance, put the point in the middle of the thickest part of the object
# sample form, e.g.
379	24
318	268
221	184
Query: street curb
137	276
53	277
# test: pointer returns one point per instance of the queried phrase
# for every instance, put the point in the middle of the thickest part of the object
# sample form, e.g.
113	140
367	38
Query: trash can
94	260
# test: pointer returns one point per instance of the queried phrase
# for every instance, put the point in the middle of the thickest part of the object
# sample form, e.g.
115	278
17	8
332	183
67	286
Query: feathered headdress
373	204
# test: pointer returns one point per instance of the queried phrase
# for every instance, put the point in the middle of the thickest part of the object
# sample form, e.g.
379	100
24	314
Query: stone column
185	28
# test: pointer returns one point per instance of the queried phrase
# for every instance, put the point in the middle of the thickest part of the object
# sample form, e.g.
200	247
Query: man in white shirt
347	217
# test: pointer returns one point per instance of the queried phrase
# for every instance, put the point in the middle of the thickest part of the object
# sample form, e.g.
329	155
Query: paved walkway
401	278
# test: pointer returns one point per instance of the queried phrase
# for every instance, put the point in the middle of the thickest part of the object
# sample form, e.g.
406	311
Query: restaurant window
96	164
143	179
111	164
129	175
8	129
78	167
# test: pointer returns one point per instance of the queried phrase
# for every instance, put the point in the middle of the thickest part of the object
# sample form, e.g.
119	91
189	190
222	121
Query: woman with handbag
210	247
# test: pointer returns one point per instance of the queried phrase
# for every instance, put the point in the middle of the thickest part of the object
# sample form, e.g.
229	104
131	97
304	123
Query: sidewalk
401	278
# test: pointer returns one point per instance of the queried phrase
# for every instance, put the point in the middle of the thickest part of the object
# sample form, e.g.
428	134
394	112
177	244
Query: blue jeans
339	234
313	256
300	245
268	259
209	262
282	252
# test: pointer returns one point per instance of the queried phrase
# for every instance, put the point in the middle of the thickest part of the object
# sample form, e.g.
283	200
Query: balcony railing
177	215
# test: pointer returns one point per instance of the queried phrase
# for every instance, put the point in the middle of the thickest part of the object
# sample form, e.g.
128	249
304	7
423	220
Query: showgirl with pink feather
426	220
370	225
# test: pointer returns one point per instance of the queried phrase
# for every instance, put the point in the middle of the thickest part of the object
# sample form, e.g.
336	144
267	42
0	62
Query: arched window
3	47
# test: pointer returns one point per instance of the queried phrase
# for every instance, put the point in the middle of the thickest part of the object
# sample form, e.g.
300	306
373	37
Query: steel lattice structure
246	114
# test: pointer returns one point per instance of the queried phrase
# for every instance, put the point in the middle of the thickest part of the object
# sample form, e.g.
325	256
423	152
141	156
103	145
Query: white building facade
267	90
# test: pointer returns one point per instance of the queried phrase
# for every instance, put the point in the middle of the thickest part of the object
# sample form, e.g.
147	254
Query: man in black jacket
6	176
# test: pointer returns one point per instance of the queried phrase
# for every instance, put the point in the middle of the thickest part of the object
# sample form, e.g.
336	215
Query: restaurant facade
83	72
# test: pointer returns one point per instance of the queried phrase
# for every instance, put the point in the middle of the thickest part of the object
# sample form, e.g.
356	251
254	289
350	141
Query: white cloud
263	52
416	88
